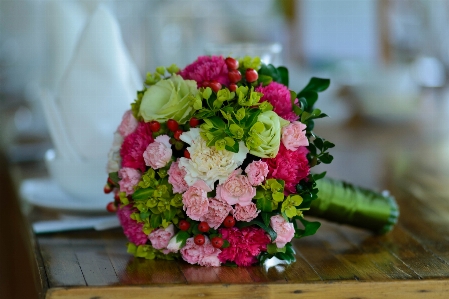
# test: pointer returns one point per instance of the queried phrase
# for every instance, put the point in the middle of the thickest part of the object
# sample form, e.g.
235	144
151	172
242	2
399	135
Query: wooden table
338	262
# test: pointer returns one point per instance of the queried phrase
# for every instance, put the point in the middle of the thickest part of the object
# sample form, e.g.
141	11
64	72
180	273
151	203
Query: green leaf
326	158
113	176
265	80
142	194
264	205
319	176
170	213
252	118
310	228
318	142
266	217
273	249
311	98
328	144
144	215
235	148
217	122
266	228
283	75
155	220
317	84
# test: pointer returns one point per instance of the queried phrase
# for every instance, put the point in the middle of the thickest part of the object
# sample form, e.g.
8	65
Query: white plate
46	193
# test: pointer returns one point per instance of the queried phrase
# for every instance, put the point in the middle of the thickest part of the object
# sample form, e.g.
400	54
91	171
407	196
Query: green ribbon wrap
345	203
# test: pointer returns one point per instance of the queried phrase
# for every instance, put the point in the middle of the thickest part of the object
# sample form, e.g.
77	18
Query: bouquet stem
345	203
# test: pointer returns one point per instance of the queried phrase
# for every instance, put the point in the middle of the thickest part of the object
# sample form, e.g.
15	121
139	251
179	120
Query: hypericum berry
251	75
155	126
110	182
217	242
193	122
184	225
117	197
229	221
234	76
232	87
111	207
186	154
215	86
107	189
231	63
203	227
199	240
172	125
177	134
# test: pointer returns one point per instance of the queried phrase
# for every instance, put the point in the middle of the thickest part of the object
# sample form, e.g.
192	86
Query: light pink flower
130	177
204	255
161	237
216	213
131	228
285	230
128	125
236	189
294	136
176	178
246	213
191	252
158	153
256	171
210	255
195	202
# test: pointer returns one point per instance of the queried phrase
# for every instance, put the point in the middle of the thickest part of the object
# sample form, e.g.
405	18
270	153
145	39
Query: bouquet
212	164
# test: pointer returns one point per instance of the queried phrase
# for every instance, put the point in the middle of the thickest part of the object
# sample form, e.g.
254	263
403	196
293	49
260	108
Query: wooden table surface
338	262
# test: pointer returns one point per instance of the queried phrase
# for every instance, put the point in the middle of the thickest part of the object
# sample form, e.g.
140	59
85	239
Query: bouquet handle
345	203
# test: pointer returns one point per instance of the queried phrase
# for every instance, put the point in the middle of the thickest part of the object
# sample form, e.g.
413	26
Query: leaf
144	215
310	228
235	148
310	96
265	80
289	258
317	84
328	144
266	217
113	176
264	205
170	213
252	118
266	228
155	220
143	194
326	158
319	176
283	75
318	142
217	122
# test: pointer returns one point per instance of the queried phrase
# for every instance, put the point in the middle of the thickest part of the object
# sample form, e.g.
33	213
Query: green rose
171	98
269	135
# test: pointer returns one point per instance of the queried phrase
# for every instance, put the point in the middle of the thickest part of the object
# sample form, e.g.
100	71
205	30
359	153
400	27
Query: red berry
231	63
234	76
217	242
186	154
184	225
117	197
107	189
203	227
172	125
215	86
111	207
206	83
199	240
194	122
155	126
251	75
232	87
110	182
177	134
229	221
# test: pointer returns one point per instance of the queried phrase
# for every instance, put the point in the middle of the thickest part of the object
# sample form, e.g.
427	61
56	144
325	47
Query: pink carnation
131	228
204	255
279	96
207	68
284	230
244	245
161	237
236	189
130	177
216	212
290	166
158	153
294	136
256	171
176	178
134	146
191	252
128	125
246	213
195	202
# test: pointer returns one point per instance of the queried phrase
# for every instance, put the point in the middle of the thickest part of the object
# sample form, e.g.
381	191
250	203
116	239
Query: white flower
114	159
207	163
175	242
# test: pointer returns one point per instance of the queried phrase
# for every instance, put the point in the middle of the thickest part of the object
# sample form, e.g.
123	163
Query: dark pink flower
131	228
135	145
207	68
279	96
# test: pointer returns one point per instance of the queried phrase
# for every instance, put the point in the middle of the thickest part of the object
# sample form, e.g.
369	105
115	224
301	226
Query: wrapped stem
345	203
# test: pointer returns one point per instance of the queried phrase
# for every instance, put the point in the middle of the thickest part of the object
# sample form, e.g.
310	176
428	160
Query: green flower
169	99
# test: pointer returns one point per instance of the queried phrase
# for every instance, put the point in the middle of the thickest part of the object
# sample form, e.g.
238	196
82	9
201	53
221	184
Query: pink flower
204	255
256	171
207	68
216	212
279	96
294	136
246	213
130	177
285	230
134	146
161	237
210	255
290	166
195	202
191	252
131	228
236	189
128	125
158	153
176	178
245	245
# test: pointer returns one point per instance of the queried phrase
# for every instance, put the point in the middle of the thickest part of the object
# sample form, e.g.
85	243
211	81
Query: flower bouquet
212	164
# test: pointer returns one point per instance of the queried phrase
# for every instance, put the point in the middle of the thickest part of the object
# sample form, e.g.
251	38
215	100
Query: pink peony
246	213
279	96
191	252
131	228
294	136
245	245
158	153
161	237
290	166
134	146
204	255
207	68
210	255
256	171
216	212
195	202
284	230
176	178
128	125
130	177
236	189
